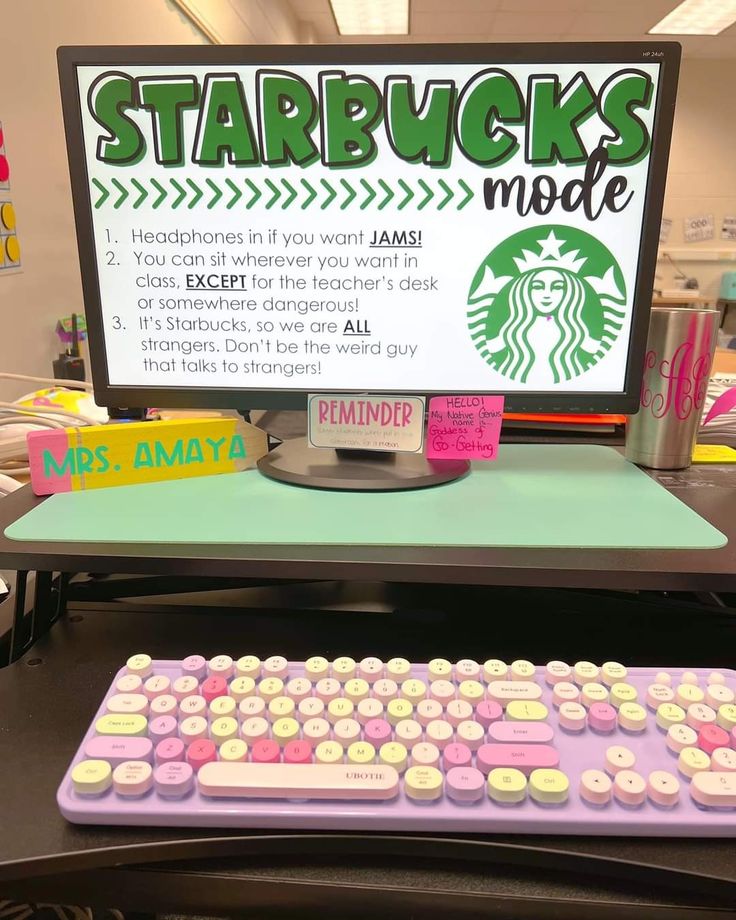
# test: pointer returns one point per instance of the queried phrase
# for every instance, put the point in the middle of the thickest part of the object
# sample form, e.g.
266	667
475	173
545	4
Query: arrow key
595	787
663	788
629	788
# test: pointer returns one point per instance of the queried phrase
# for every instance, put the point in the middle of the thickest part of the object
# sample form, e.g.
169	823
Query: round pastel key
669	714
162	727
556	672
173	780
221	666
595	787
687	694
629	788
715	677
329	752
548	786
408	732
223	729
361	752
689	677
310	708
424	754
507	785
201	752
241	688
222	706
368	709
621	693
185	686
92	777
370	669
495	669
251	707
471	691
385	690
443	691
723	759
129	703
393	754
316	730
298	752
632	717
413	690
132	778
692	760
266	751
193	728
213	687
471	734
156	685
663	788
464	783
275	666
456	755
523	711
194	705
619	758
194	666
317	667
254	729
168	750
165	705
458	711
343	668
573	717
270	687
234	751
584	672
602	717
339	708
613	672
711	737
141	665
716	695
700	714
357	689
521	669
439	669
346	731
680	736
248	666
299	688
467	669
657	694
662	677
328	689
285	730
726	716
487	712
132	683
565	692
397	710
377	731
398	669
439	732
427	711
281	707
423	783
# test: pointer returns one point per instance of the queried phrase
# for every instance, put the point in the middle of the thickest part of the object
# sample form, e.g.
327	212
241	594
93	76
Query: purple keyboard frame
577	753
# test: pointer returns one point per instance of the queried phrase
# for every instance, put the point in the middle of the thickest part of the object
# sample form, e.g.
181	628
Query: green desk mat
533	495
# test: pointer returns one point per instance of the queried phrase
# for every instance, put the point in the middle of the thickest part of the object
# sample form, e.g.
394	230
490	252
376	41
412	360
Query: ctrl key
92	777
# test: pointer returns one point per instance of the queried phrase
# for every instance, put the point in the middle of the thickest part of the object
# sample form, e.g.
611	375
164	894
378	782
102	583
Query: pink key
711	737
465	784
427	711
733	738
525	757
165	705
194	666
213	687
162	727
298	752
487	712
602	717
377	731
201	752
520	732
456	755
173	780
169	750
265	751
116	750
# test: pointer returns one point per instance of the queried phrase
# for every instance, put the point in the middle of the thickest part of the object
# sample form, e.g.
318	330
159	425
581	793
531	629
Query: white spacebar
296	781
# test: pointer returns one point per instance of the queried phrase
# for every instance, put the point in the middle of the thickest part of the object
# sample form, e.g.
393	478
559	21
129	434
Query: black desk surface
49	696
707	489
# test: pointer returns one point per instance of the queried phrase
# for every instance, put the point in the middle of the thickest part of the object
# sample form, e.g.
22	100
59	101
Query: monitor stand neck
297	463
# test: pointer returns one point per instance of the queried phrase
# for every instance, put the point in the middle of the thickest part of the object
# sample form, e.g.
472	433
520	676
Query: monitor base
297	463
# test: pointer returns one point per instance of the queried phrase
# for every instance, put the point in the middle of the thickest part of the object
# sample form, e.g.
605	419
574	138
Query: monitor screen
259	223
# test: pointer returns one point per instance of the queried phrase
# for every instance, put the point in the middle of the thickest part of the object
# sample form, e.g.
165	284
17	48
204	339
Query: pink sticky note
464	427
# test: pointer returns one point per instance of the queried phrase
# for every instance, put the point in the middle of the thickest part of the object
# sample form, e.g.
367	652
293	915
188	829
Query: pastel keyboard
484	747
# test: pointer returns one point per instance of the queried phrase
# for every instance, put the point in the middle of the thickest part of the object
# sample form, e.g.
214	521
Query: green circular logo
546	305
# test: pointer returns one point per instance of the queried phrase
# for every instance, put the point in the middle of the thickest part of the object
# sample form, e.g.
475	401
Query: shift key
116	750
524	757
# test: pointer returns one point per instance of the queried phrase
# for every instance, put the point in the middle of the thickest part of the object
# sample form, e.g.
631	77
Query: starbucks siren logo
547	302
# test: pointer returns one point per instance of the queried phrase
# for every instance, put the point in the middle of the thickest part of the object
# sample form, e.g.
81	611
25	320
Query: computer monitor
260	223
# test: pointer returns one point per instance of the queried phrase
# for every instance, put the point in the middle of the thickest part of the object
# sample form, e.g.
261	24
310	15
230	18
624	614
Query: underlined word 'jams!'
464	427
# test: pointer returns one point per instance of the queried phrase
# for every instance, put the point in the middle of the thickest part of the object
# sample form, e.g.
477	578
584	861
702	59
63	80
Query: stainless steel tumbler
676	370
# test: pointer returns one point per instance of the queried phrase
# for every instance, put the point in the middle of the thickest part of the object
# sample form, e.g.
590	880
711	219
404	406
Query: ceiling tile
450	23
542	24
459	7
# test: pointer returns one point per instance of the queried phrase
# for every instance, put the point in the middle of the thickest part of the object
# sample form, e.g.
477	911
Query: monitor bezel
667	54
